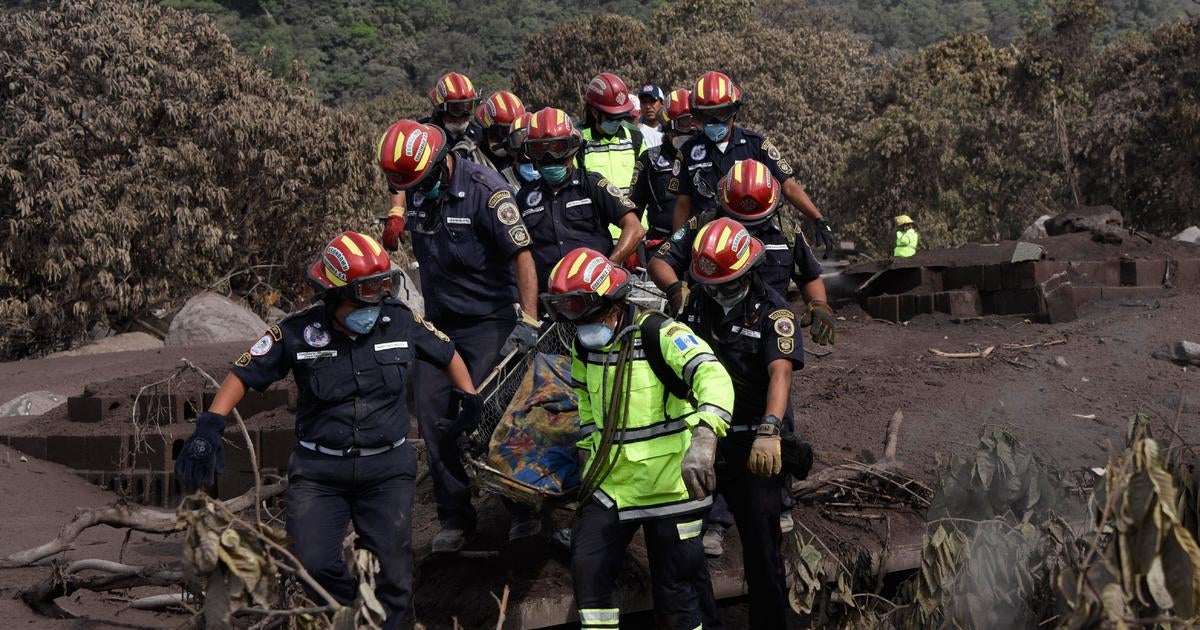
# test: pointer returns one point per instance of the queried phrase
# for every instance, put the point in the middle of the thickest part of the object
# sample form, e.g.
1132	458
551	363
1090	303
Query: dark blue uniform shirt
650	189
351	390
701	164
758	331
464	242
578	215
782	261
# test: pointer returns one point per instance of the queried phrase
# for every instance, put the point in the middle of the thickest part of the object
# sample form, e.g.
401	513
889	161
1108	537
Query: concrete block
103	452
884	307
1103	272
1044	269
255	402
907	306
68	450
1187	273
1143	273
91	408
1123	294
31	445
275	448
955	278
239	474
959	303
1058	299
161	408
1012	302
993	278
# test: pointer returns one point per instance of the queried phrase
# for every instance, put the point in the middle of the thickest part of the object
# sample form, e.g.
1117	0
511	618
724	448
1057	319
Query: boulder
1190	235
123	342
213	318
1182	353
32	403
1037	229
1088	219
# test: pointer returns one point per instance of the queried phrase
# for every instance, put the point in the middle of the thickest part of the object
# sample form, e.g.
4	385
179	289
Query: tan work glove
698	473
766	459
820	317
677	297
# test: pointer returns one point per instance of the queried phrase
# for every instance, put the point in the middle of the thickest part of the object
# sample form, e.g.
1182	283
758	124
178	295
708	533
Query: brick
1083	295
1044	269
1012	302
68	450
907	307
955	278
1103	272
31	445
161	408
884	307
91	408
1187	273
1130	293
1058	299
958	304
103	452
993	278
239	474
924	303
255	402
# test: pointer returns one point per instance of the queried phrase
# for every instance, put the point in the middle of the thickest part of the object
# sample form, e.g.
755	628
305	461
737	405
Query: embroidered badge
262	346
315	336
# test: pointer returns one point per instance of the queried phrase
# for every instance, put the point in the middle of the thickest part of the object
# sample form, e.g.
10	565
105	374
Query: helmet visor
686	123
554	148
458	109
373	289
570	306
716	115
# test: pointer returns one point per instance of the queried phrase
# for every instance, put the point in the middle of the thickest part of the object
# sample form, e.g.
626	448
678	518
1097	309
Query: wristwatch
770	426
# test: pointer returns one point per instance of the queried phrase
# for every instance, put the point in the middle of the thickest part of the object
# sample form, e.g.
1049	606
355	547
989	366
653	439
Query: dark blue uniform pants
326	493
756	503
478	341
683	594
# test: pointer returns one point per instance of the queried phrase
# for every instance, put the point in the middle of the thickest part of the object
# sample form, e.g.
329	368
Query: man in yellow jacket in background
653	399
906	237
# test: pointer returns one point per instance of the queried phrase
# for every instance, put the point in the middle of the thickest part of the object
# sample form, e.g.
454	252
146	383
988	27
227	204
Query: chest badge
699	152
315	336
533	198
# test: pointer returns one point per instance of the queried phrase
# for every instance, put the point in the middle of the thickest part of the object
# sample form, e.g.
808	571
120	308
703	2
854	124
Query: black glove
797	456
470	410
203	454
824	234
524	336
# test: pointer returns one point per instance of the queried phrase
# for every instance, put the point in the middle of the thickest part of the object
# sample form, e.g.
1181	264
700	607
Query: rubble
1182	352
211	318
123	342
1037	229
1086	219
32	404
1190	235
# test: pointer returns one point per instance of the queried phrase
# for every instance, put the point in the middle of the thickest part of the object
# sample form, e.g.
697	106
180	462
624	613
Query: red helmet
607	93
724	251
715	97
501	108
454	94
749	193
678	112
354	263
408	151
552	135
582	283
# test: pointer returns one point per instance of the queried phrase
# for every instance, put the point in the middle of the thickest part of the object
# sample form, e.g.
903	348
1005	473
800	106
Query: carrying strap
651	330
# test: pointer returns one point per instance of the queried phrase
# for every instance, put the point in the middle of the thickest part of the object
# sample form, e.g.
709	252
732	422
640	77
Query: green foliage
142	158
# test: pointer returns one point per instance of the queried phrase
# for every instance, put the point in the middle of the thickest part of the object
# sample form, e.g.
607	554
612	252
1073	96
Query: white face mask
456	129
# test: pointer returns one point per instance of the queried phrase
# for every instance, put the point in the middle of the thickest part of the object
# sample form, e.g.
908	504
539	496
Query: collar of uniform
460	182
591	135
736	137
577	176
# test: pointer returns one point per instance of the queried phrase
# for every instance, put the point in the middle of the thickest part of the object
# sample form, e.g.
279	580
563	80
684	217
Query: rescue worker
473	252
647	448
350	355
611	144
495	117
454	101
652	171
521	168
906	237
568	207
704	160
753	333
750	195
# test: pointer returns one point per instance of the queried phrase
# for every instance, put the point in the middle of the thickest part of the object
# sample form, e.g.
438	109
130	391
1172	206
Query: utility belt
353	451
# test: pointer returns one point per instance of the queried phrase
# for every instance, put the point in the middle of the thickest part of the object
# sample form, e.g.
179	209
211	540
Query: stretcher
526	437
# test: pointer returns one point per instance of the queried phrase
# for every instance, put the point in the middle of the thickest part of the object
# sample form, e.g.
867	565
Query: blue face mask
432	193
610	127
594	336
716	131
528	172
554	174
360	321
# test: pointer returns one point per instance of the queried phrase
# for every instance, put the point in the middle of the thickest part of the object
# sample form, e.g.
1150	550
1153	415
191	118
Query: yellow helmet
902	220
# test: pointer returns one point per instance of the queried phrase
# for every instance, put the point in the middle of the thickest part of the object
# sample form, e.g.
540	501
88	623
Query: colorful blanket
534	442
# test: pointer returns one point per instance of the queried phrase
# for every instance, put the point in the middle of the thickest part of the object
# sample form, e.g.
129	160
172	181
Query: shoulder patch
507	213
262	346
785	167
276	333
433	329
685	342
665	248
673	185
497	197
783	312
785	327
602	183
772	151
519	235
785	345
243	360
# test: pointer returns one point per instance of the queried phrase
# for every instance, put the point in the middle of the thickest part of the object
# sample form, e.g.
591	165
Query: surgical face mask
457	129
679	141
730	293
431	194
716	131
610	126
361	320
528	172
554	174
594	336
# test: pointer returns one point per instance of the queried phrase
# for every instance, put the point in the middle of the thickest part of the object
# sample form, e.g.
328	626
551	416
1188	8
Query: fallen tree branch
60	583
245	435
1039	344
134	517
981	354
889	438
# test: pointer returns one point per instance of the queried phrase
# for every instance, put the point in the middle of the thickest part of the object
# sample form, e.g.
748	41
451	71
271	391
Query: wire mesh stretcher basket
501	387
